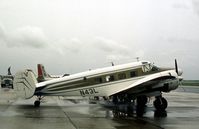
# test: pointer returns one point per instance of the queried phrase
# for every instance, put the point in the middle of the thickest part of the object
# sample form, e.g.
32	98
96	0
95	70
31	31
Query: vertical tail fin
25	84
9	71
41	73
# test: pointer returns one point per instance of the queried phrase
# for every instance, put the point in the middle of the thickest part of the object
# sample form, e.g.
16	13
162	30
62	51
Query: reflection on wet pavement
56	112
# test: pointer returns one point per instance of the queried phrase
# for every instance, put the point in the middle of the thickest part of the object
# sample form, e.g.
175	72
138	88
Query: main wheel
160	103
37	103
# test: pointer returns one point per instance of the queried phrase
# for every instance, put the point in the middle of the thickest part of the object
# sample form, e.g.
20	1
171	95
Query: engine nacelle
171	85
25	84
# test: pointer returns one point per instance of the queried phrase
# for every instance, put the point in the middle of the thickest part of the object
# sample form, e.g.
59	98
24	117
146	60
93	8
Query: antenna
112	63
138	59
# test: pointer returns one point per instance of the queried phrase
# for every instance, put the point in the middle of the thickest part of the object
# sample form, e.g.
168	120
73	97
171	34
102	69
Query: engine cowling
171	85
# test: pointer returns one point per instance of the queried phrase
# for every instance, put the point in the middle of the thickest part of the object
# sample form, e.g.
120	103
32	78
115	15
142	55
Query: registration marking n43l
88	91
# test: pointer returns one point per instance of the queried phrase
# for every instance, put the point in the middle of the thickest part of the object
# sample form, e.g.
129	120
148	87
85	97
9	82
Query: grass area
190	82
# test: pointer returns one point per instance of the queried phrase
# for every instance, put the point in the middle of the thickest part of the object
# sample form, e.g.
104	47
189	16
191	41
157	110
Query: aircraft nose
180	72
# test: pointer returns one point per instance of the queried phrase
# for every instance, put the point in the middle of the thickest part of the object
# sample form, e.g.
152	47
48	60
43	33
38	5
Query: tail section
42	73
9	71
25	84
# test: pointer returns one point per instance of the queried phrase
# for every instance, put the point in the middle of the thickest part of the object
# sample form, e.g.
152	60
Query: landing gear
141	101
160	103
115	99
125	103
141	105
122	105
121	99
129	105
38	101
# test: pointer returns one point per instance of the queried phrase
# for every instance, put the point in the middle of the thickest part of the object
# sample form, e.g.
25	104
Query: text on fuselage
89	91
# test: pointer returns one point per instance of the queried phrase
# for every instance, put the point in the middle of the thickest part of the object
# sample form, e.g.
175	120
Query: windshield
149	67
7	81
155	68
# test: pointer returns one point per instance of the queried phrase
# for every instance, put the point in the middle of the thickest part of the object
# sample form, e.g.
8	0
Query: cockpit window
146	68
149	67
155	68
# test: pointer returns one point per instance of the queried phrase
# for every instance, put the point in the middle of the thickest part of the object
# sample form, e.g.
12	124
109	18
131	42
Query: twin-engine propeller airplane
121	83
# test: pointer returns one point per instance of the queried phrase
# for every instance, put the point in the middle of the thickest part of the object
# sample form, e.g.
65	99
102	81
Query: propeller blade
176	66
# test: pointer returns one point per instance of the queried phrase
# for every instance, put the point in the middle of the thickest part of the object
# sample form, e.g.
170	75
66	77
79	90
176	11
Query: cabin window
98	80
132	73
121	76
109	78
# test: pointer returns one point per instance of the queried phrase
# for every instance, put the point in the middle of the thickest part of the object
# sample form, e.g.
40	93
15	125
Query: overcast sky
70	36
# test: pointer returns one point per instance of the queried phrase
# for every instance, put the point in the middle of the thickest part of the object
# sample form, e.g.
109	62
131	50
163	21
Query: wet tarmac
77	113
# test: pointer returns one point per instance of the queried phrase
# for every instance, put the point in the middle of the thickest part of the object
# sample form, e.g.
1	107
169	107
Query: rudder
42	74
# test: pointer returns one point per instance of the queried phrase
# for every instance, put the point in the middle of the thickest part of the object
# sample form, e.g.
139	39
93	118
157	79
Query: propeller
179	73
176	66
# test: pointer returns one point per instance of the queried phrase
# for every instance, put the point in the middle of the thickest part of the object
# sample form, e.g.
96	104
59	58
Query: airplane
44	76
121	83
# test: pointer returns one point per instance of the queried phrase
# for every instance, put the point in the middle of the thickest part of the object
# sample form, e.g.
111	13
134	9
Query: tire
160	103
37	103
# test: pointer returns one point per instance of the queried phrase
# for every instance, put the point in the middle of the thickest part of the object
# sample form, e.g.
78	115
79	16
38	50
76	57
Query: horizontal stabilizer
25	84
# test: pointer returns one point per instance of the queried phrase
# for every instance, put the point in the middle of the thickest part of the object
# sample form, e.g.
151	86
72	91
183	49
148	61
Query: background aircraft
7	80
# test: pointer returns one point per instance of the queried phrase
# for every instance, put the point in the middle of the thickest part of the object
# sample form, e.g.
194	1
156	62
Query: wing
163	81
